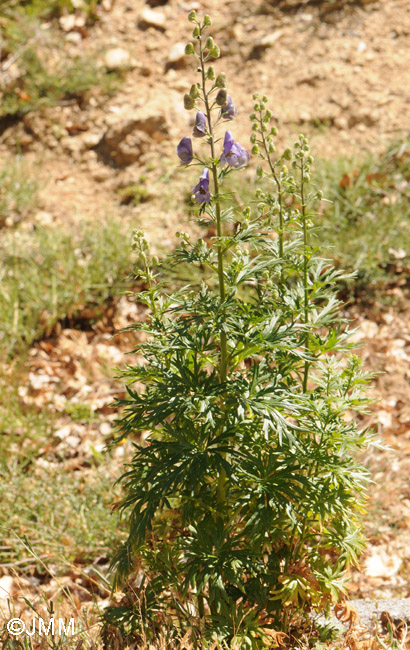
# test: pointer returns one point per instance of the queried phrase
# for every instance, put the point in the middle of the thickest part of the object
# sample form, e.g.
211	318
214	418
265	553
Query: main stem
277	181
223	367
305	274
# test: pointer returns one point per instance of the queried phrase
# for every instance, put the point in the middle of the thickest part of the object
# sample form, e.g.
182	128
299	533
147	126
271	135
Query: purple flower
200	125
184	151
228	111
201	190
233	154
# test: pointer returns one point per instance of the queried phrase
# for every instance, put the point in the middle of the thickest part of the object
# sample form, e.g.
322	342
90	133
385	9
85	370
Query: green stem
305	274
278	184
223	367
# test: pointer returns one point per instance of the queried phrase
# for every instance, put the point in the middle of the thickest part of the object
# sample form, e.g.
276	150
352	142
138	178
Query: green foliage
49	274
367	220
44	77
244	498
18	192
65	515
364	224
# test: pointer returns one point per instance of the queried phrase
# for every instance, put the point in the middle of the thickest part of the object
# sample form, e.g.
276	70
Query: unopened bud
255	150
320	195
271	148
207	20
287	154
284	170
154	261
215	52
210	43
189	49
196	32
264	99
259	171
211	73
274	130
194	93
221	97
255	96
246	212
221	80
192	16
253	138
188	102
252	117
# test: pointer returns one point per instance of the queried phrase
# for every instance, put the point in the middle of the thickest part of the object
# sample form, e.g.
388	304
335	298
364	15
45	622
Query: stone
117	59
150	18
265	43
6	590
177	57
127	139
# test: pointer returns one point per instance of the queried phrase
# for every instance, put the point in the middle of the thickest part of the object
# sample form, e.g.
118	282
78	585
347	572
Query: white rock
6	589
117	59
381	563
177	53
150	18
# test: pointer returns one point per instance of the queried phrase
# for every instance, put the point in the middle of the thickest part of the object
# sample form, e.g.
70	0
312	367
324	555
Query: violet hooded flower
184	151
199	129
233	153
201	190
228	111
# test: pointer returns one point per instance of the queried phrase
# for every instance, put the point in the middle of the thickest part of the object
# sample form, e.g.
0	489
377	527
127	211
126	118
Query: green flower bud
264	99
155	261
194	93
189	49
259	171
215	52
287	154
210	43
192	16
253	138
221	97
221	80
256	107
309	160
284	170
255	126
255	96
211	73
252	117
246	212
307	178
196	32
255	150
207	20
188	102
319	195
271	148
274	130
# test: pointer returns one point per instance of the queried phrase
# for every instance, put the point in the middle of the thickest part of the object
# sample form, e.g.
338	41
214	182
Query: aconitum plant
244	494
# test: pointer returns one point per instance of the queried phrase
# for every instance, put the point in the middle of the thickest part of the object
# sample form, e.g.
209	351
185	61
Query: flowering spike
189	103
233	155
199	129
228	111
201	190
221	97
221	80
184	151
